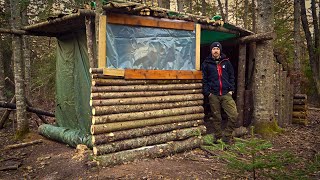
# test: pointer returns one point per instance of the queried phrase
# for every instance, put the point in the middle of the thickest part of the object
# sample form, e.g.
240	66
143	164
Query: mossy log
123	82
300	96
110	127
146	115
151	87
105	110
146	100
299	101
139	132
149	152
300	115
112	95
300	121
299	107
179	134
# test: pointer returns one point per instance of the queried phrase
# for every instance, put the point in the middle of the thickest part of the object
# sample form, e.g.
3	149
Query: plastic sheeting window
150	48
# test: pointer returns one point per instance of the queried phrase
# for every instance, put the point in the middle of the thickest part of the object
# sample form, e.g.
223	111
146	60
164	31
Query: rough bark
111	95
297	50
2	76
89	21
226	5
253	6
146	100
180	4
280	88
117	109
146	87
123	82
139	132
314	64
221	10
264	95
30	109
22	121
174	135
26	51
149	152
110	127
146	115
203	7
248	108
277	91
246	13
241	82
6	114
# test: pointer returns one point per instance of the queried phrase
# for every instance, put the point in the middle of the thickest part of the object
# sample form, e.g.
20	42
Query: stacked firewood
144	118
299	114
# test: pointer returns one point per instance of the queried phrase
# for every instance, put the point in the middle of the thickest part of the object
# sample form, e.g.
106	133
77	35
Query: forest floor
53	160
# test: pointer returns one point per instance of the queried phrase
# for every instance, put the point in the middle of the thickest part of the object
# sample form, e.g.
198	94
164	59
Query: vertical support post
102	56
277	92
241	82
198	39
280	98
90	36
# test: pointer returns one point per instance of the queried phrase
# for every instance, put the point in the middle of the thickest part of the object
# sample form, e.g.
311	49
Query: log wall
153	118
299	114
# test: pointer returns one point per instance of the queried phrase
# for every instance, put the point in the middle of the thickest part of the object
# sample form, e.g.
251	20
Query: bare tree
203	7
297	50
180	4
246	12
313	57
22	121
226	5
221	10
264	70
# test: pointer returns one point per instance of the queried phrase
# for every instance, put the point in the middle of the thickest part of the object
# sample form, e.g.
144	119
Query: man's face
215	52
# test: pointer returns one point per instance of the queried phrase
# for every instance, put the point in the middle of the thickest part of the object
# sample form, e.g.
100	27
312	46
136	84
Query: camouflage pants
229	106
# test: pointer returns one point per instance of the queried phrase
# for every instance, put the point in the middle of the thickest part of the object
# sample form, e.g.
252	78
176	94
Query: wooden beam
113	72
13	31
198	40
258	37
241	82
102	56
150	22
161	74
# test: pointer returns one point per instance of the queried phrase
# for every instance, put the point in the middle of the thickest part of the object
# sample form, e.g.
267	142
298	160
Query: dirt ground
52	160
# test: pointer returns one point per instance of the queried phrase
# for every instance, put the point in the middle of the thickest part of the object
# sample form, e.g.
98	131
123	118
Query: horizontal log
300	121
29	109
105	110
299	101
300	115
118	126
146	100
96	70
149	152
123	82
112	95
146	87
297	107
139	132
113	72
161	74
258	37
101	76
146	115
13	31
300	96
174	135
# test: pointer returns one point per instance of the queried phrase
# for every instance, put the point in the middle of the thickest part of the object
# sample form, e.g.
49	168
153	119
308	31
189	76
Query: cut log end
93	120
95	150
93	112
93	140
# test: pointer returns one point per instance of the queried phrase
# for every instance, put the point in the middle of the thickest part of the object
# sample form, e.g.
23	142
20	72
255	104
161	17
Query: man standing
218	85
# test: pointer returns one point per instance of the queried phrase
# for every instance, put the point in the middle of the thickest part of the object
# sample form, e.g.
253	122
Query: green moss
268	129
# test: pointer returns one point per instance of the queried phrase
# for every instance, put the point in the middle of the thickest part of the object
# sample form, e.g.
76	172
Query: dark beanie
216	44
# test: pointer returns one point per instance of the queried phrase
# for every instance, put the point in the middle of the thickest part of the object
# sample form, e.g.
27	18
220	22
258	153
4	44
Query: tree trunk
264	81
180	4
117	109
241	82
110	127
221	10
253	16
297	51
246	12
203	7
226	11
2	76
178	134
164	4
26	52
146	100
90	36
149	152
314	64
146	115
22	121
139	132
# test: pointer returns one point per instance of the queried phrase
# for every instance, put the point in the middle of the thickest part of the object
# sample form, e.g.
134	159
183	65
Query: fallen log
123	82
151	87
179	134
149	152
110	127
144	131
29	109
116	109
300	115
299	107
146	115
146	100
96	70
20	145
6	114
299	101
112	95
